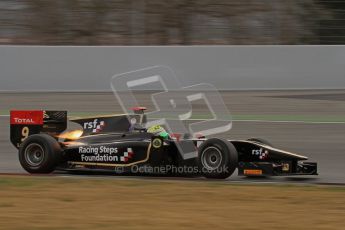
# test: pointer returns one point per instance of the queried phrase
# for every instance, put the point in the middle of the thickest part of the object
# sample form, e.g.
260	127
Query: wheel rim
34	154
211	158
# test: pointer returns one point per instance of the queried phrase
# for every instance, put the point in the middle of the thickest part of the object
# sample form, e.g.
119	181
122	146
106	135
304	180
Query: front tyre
39	153
218	158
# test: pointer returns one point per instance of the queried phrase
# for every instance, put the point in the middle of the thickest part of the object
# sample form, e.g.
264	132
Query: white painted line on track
263	121
270	121
304	122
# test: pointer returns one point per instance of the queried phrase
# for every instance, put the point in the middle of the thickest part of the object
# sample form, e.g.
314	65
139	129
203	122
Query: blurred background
174	22
291	95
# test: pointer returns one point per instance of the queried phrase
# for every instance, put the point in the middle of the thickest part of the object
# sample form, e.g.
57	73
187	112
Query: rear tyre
217	158
39	153
261	141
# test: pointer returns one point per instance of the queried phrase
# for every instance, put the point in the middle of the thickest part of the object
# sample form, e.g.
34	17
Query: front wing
288	168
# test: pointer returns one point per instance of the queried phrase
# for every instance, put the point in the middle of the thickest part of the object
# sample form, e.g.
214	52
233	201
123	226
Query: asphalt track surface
310	123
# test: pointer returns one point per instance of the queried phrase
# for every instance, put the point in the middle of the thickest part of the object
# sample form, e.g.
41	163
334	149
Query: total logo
96	125
23	120
23	117
127	155
261	153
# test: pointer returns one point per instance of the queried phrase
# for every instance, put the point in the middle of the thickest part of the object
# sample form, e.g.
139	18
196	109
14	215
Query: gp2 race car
122	144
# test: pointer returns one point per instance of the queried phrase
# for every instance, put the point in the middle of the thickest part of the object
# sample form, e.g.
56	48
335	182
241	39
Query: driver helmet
158	130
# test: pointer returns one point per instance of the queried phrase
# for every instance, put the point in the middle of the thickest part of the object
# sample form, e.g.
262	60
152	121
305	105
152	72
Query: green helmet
159	131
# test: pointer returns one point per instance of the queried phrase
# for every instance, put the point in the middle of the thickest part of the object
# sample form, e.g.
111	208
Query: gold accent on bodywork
97	116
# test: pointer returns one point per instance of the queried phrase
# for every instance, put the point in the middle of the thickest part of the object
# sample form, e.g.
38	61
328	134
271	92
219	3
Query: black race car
121	144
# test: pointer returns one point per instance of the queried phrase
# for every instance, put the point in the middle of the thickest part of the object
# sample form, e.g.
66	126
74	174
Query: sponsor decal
23	120
45	115
261	153
157	143
104	154
96	125
127	155
26	117
100	158
252	172
98	150
286	167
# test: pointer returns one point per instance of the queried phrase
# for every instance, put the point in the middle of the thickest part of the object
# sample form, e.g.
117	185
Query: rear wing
24	123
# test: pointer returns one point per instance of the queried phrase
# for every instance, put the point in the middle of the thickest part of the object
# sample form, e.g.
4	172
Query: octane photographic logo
96	125
173	104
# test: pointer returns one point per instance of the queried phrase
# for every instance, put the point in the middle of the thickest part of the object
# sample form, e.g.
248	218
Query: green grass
20	182
33	181
295	117
103	202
